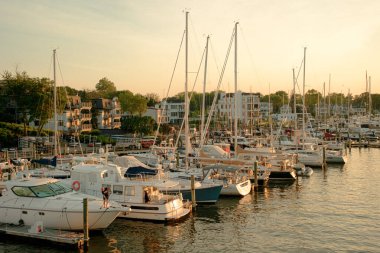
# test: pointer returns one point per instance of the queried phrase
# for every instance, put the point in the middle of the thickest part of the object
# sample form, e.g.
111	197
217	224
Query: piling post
193	200
177	159
324	158
349	145
85	224
256	184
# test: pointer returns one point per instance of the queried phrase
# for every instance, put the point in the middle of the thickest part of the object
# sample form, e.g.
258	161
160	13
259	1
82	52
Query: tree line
25	99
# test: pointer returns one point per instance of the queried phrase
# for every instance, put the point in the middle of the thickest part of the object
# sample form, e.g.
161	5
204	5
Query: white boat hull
240	189
55	215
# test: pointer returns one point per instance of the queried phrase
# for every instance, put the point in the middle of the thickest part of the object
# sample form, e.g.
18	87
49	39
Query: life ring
75	185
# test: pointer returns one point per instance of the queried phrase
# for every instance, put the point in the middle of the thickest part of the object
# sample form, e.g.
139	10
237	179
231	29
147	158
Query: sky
135	43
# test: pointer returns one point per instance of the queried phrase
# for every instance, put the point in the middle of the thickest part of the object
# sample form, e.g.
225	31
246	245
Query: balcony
85	116
86	127
86	105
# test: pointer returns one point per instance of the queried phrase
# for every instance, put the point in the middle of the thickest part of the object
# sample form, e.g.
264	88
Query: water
333	211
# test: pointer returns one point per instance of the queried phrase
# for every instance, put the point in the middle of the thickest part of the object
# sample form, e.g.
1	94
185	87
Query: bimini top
138	171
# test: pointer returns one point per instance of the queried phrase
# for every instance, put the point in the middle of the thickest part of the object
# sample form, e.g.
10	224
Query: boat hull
205	195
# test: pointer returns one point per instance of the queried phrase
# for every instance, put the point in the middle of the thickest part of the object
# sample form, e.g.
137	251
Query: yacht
28	200
142	196
206	193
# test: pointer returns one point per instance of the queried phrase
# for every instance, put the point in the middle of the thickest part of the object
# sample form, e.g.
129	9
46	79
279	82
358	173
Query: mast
235	109
294	100
270	120
324	105
369	98
186	99
55	107
303	95
329	112
204	95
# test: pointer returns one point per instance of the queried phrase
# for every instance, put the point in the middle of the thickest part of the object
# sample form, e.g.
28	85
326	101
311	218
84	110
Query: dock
60	237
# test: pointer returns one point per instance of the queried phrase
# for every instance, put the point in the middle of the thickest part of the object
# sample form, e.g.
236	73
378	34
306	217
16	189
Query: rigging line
214	57
198	46
212	109
191	93
170	84
250	54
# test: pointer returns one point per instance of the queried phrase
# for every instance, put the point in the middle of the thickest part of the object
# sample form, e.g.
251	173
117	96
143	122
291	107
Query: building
248	107
156	113
75	119
171	112
107	113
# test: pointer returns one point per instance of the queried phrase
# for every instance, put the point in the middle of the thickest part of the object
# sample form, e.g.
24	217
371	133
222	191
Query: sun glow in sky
135	43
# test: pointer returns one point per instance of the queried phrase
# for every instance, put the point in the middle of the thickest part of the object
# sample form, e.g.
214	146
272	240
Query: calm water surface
333	211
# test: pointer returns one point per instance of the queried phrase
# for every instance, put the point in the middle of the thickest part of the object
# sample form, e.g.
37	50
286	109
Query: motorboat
27	200
142	196
206	193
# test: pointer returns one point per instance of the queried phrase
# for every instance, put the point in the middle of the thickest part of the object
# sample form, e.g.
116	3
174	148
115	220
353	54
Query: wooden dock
73	239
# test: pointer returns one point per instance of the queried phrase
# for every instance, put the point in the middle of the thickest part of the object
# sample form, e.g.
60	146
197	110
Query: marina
335	210
221	170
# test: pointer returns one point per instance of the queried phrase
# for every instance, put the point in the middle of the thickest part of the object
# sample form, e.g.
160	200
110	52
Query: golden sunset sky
135	43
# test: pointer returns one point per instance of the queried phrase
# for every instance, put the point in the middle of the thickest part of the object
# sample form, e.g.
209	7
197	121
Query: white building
248	105
171	112
156	113
76	117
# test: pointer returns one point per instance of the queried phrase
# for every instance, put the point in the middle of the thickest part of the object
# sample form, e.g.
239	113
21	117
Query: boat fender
75	185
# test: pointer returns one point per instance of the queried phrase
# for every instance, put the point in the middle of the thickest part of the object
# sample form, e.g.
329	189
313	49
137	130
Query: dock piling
256	184
85	224
193	200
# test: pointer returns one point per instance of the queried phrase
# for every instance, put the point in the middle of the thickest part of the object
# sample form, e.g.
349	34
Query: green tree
311	99
28	98
105	88
153	98
138	125
133	104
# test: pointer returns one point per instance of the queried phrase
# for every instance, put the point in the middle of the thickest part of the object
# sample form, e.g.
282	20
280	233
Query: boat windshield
41	191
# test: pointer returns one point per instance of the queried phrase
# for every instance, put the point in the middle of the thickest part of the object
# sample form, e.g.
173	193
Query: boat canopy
140	171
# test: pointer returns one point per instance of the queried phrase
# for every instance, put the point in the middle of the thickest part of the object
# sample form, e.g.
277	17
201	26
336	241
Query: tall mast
303	95
204	95
187	143
270	120
369	97
329	112
235	109
55	107
294	100
324	105
366	88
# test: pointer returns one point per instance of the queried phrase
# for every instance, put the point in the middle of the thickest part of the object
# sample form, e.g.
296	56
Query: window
118	189
60	122
129	191
23	191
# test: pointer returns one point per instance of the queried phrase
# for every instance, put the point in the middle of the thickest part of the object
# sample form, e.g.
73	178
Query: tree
134	104
138	125
153	98
28	98
105	88
126	101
